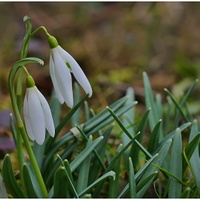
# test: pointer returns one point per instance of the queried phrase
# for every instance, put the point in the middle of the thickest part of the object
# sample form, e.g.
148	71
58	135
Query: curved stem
20	123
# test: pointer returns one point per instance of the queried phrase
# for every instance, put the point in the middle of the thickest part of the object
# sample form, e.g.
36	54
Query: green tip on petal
30	82
52	42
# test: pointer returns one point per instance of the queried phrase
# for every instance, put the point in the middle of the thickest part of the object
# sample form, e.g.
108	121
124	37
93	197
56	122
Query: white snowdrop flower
61	65
37	114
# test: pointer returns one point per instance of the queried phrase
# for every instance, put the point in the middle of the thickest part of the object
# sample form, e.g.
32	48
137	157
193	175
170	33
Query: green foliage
83	165
115	153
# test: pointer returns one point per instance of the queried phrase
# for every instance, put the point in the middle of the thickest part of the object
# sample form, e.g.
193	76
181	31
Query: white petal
77	71
47	114
26	119
53	78
36	115
63	78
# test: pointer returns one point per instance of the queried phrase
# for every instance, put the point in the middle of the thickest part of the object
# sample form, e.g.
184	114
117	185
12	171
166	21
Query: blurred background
113	42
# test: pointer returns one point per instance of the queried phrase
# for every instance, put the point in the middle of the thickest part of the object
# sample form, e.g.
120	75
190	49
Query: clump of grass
115	153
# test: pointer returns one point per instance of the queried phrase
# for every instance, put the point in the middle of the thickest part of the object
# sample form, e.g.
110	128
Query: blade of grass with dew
132	181
9	178
154	137
28	184
102	178
154	116
194	160
79	159
114	183
82	181
175	187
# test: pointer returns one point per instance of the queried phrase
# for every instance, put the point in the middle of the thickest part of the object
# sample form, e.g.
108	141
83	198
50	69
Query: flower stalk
20	123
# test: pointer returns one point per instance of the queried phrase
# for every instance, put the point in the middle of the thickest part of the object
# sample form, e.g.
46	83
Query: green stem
21	128
34	162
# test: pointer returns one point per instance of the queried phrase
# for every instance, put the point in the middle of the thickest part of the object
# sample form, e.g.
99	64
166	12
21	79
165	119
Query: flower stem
17	110
34	162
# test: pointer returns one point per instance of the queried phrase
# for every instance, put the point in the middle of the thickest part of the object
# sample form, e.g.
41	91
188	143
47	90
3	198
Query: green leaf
105	176
190	148
139	174
134	152
82	181
75	119
94	121
175	186
132	181
154	137
81	157
171	135
69	115
177	105
9	178
114	183
144	184
154	115
30	191
128	117
60	183
158	161
194	160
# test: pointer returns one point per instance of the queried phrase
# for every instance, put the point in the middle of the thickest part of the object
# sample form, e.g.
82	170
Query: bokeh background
114	42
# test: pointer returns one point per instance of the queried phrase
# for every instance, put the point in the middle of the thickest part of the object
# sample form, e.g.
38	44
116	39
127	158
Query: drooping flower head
37	114
62	64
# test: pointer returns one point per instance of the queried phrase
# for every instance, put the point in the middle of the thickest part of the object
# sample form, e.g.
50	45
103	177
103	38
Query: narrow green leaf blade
60	183
132	181
175	186
105	176
79	159
30	191
195	160
9	178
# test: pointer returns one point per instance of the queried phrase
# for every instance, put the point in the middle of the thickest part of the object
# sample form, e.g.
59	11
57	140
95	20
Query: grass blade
105	176
175	186
132	181
9	178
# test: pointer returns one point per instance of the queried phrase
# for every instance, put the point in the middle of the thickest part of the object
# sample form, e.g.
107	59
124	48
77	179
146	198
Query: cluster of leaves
156	156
